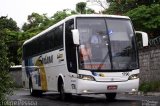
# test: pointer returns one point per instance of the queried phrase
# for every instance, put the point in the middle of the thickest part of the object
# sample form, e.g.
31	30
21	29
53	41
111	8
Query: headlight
132	77
86	77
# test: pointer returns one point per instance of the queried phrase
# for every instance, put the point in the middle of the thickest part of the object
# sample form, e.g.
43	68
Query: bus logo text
47	59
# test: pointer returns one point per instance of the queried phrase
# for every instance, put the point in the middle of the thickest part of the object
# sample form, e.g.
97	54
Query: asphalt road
21	97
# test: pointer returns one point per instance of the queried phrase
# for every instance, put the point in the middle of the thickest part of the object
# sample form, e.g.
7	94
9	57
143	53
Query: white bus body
58	67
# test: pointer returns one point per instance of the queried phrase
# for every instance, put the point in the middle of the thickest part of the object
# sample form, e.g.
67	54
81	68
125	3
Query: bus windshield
106	44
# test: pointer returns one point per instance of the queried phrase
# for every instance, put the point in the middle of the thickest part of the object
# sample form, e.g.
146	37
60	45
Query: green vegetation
123	6
146	18
150	86
81	8
6	84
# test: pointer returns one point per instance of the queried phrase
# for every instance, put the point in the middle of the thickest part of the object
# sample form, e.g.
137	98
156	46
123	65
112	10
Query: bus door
71	56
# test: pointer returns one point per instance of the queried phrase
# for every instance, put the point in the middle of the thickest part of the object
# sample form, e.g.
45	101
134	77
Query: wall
149	59
16	74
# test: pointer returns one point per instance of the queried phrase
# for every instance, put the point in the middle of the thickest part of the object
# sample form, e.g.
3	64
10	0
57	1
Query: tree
123	6
11	31
81	7
89	11
10	24
35	23
120	6
35	20
6	84
59	15
13	44
147	2
146	18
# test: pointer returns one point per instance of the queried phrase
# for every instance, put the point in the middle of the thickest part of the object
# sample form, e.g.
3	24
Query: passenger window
58	37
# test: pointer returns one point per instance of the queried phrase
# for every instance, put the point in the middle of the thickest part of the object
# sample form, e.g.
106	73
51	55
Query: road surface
22	97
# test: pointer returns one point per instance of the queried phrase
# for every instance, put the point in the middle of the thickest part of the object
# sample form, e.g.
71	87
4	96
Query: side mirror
144	37
75	35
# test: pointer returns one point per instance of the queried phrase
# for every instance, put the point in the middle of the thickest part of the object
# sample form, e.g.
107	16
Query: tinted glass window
51	40
106	44
122	45
70	47
58	37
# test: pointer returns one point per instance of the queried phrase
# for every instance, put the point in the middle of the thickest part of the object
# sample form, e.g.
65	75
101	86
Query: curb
153	94
145	94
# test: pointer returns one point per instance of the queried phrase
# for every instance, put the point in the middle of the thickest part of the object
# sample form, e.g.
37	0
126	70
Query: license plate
112	87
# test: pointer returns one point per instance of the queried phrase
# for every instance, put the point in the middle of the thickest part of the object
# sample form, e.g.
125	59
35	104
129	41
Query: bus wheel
64	96
111	96
62	93
32	91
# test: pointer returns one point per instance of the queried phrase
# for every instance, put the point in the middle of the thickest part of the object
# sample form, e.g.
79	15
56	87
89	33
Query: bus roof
71	17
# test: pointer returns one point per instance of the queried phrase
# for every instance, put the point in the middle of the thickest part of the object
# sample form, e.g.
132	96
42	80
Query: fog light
134	90
85	91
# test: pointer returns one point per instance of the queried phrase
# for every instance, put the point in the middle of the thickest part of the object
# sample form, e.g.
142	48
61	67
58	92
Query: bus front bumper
89	87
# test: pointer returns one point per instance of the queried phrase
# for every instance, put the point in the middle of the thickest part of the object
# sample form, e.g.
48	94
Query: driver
96	42
96	38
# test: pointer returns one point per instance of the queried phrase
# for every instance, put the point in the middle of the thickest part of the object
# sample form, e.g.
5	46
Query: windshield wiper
100	66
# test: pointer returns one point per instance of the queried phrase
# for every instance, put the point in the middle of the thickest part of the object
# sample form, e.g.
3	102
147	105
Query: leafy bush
6	84
146	18
150	86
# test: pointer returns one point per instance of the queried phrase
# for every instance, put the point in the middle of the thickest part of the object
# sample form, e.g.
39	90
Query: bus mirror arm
144	37
75	35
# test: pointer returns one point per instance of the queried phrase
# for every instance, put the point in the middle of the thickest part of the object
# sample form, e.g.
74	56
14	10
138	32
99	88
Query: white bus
83	54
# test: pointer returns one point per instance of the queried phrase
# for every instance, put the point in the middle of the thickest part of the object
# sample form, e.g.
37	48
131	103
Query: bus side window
70	47
51	39
58	37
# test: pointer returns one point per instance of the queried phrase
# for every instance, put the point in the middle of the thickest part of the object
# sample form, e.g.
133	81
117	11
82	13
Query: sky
20	9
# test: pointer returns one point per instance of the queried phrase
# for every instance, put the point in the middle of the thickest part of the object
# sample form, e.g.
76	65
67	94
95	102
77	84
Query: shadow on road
76	100
53	99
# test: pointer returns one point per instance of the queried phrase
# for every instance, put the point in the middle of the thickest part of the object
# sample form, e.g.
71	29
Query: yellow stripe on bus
42	75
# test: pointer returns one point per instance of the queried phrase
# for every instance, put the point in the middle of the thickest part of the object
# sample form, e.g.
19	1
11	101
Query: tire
32	91
64	96
111	96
